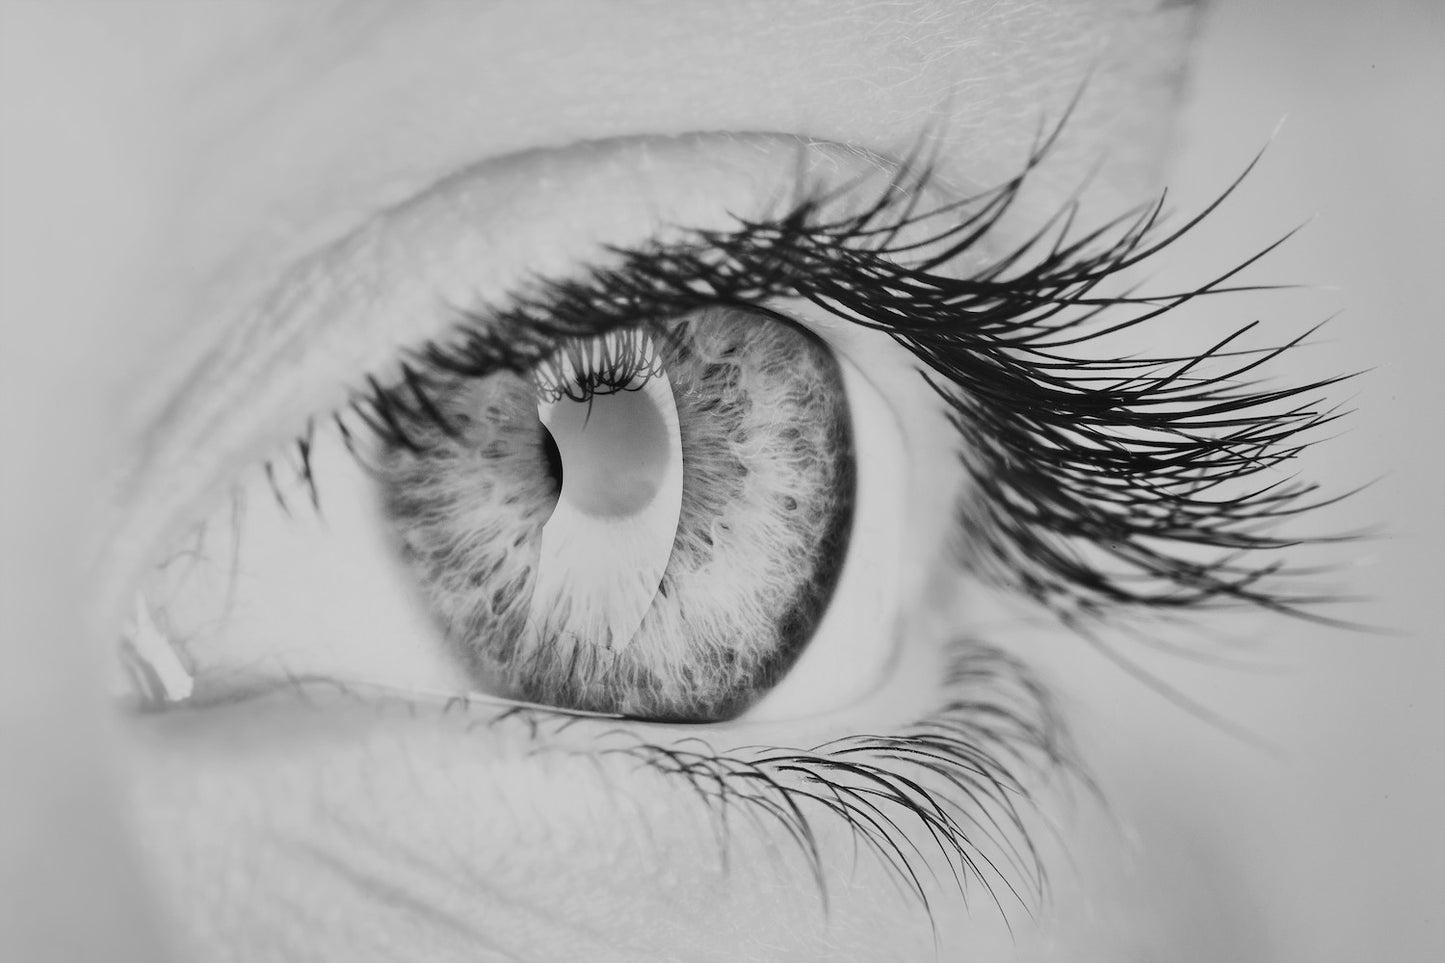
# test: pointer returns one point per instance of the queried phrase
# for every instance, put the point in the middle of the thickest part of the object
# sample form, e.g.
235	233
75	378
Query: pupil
553	456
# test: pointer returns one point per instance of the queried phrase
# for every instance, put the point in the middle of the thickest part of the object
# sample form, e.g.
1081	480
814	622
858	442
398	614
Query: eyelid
476	238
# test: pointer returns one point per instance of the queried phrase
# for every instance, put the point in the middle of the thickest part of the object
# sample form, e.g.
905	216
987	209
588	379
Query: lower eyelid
338	772
311	815
312	809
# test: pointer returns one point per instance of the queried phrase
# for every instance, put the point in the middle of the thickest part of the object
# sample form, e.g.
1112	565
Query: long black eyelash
1139	460
1098	483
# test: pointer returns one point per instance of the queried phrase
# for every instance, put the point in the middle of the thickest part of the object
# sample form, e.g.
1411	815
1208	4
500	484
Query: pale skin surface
229	155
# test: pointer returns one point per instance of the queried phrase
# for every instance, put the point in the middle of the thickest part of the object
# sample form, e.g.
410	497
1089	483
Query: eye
765	473
696	514
653	522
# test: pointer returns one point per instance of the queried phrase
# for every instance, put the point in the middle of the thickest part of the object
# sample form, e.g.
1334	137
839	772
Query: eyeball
654	523
689	521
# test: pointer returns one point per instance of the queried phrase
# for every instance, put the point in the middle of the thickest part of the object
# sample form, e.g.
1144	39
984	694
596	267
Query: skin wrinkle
428	884
541	850
378	886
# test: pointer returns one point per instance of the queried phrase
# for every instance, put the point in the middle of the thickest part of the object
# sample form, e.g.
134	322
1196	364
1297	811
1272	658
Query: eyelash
978	747
1120	458
1043	486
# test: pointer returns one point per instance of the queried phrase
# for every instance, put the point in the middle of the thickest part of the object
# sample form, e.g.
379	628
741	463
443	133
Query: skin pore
242	139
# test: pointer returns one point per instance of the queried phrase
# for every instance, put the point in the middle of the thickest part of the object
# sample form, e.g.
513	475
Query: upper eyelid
1008	296
355	306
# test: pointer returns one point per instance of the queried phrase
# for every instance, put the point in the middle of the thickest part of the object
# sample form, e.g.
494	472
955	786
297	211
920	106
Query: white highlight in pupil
615	451
607	544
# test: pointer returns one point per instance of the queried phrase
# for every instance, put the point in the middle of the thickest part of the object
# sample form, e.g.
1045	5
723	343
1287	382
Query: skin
237	139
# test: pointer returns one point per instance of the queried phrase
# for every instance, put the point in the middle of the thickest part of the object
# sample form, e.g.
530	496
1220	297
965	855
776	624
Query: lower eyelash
983	750
957	786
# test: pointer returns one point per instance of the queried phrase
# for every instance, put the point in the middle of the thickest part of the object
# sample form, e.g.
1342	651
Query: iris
650	522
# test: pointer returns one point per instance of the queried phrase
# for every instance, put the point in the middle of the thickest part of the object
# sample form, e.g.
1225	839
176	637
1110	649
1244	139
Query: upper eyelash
1124	458
1122	455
